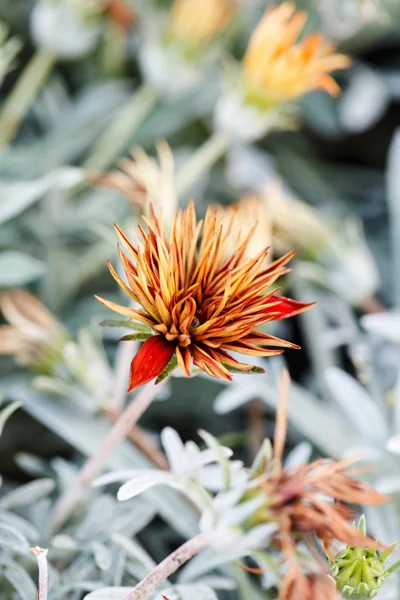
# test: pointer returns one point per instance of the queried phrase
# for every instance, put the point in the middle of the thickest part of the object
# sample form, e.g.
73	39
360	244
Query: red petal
150	361
286	307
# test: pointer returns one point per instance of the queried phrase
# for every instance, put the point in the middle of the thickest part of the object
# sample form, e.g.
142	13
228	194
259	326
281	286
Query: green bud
360	572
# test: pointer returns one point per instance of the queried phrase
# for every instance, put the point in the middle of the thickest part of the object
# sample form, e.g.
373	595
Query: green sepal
129	324
173	363
133	337
253	371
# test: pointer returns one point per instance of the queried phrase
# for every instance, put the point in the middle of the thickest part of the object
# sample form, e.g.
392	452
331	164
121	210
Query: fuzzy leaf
6	413
12	538
17	268
27	494
19	579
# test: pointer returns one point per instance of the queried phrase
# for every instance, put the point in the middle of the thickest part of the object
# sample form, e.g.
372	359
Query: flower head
197	23
277	67
146	182
361	572
250	214
201	300
33	335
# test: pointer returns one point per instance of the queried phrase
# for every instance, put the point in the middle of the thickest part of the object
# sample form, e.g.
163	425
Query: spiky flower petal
199	297
277	67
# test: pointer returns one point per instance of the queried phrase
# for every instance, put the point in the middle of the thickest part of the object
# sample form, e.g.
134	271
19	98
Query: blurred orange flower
201	298
197	22
277	67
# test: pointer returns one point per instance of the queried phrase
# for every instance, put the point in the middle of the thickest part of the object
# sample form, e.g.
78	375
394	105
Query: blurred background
97	84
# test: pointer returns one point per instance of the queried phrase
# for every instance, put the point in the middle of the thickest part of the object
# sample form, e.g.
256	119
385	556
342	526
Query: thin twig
143	442
43	580
168	566
94	465
281	415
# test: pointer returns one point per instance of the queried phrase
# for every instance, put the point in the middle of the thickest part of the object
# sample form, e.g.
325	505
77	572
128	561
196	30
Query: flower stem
204	157
120	133
43	580
167	567
23	95
93	466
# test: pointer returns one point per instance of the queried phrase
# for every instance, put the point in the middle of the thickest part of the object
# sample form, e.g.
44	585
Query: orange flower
201	300
198	22
277	67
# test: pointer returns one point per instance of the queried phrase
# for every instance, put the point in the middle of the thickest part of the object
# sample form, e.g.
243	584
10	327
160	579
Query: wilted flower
146	182
312	586
200	302
277	69
361	572
33	335
250	214
196	24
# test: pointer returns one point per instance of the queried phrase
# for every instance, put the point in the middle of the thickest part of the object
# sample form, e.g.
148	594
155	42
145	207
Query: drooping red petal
286	307
150	361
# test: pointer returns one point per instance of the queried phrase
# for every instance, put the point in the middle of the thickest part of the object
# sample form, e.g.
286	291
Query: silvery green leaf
233	397
18	578
87	434
299	455
6	413
22	525
393	196
18	269
102	555
64	542
218	583
27	494
188	592
32	464
144	482
13	539
384	325
358	406
19	195
109	593
364	100
133	550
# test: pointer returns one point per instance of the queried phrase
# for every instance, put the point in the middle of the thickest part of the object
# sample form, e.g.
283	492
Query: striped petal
150	361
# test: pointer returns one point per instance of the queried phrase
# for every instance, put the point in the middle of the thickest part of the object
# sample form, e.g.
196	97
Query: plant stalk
43	579
94	464
121	131
204	158
24	94
168	566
